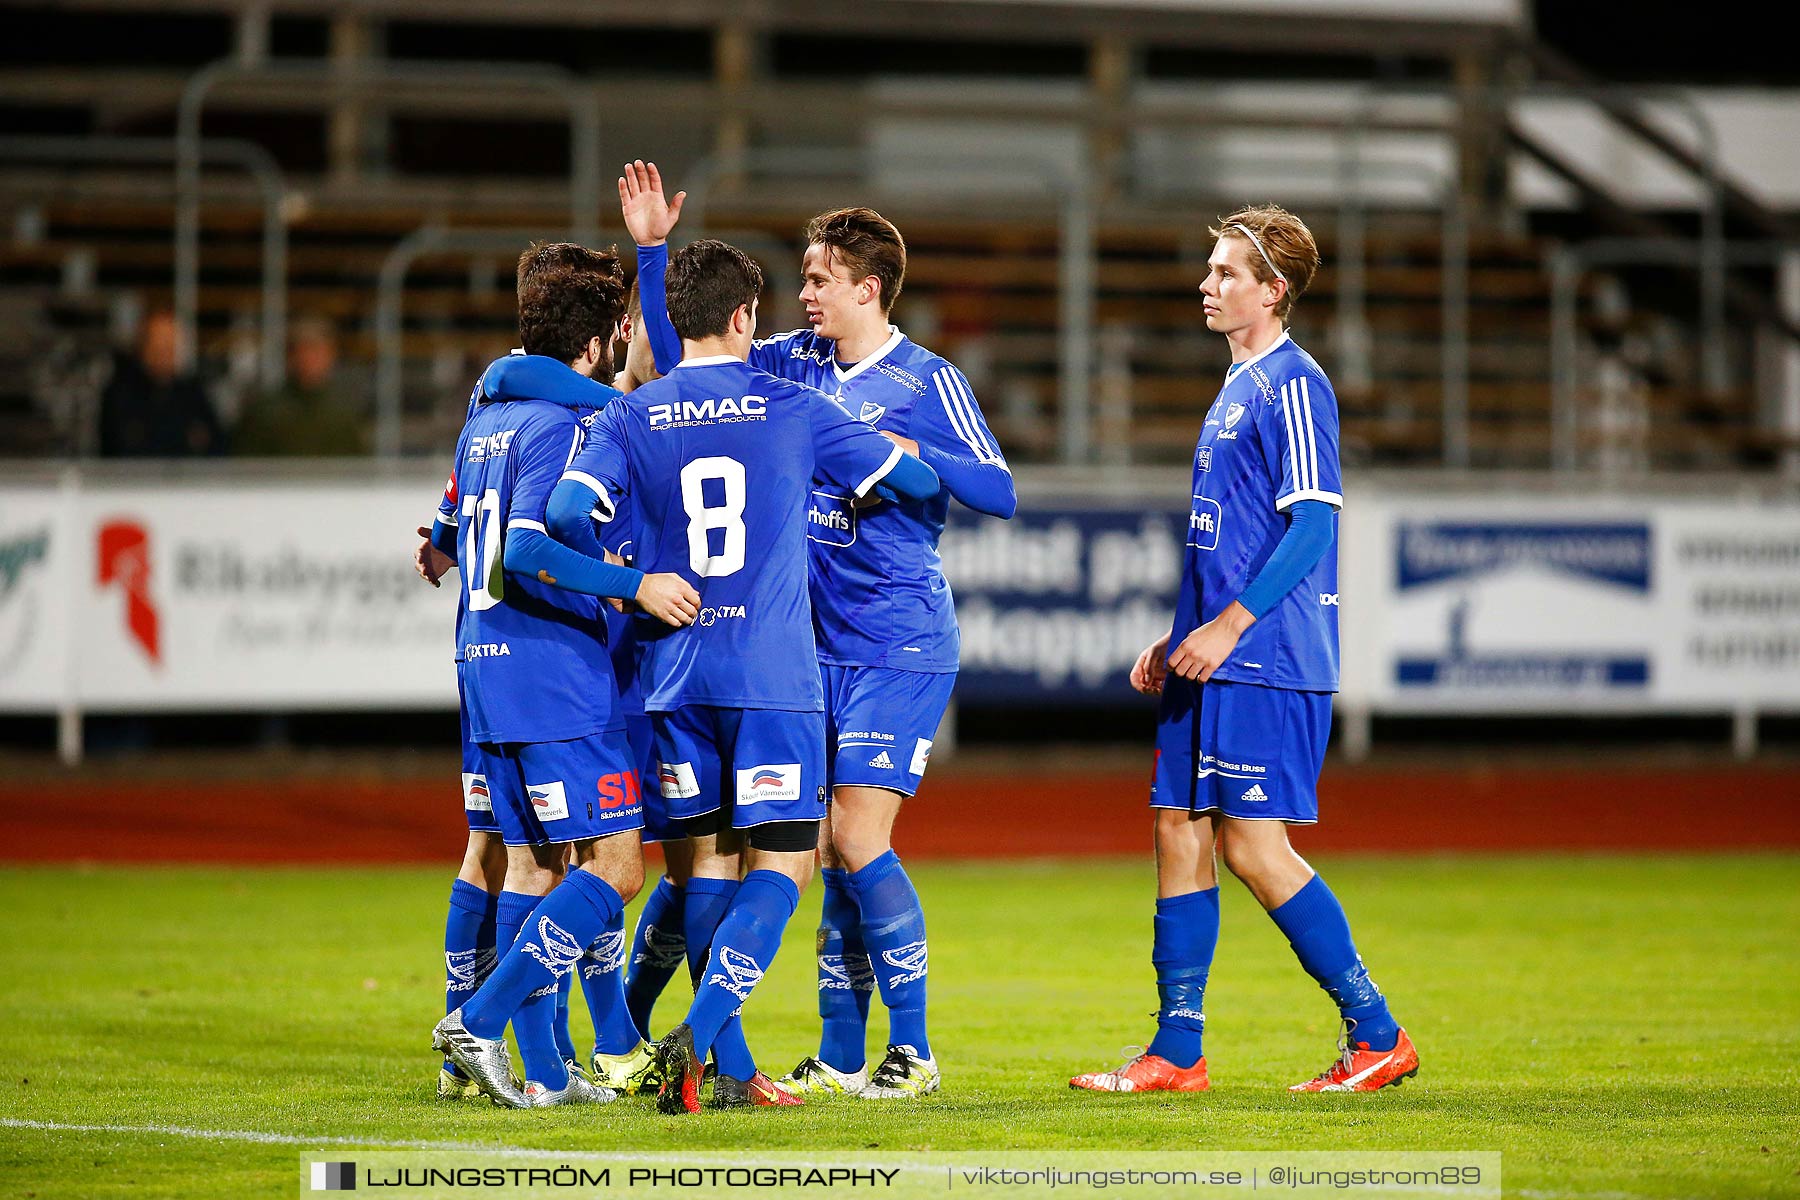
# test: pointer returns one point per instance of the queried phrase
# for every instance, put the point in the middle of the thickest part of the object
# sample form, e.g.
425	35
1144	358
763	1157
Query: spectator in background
310	415
150	408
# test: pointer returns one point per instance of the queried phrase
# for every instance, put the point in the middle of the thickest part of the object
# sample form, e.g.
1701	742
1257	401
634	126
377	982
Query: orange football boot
1360	1069
1145	1073
759	1090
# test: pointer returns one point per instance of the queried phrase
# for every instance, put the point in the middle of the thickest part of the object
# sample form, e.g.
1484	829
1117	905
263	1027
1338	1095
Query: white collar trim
711	360
857	368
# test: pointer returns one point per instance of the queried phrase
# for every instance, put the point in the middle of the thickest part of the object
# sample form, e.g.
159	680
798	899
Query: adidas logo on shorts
883	761
1255	793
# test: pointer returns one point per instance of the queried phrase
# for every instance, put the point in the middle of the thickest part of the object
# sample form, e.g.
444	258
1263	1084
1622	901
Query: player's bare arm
649	215
1205	650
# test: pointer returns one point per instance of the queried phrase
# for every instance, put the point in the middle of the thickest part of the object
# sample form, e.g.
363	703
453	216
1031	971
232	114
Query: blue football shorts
659	826
1241	749
478	805
879	723
760	765
555	792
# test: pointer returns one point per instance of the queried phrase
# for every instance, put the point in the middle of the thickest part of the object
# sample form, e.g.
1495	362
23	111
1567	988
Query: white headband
1257	242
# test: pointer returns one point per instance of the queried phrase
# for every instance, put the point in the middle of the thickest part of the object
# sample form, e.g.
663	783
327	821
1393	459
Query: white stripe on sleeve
1287	416
972	415
1312	441
526	523
961	422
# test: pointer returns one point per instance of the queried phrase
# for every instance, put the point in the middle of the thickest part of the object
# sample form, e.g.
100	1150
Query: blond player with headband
1246	690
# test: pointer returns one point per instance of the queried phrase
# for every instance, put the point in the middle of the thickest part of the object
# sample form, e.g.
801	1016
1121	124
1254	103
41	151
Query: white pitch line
236	1135
287	1139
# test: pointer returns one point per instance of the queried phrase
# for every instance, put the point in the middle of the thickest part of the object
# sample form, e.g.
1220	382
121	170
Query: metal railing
261	165
1569	265
584	136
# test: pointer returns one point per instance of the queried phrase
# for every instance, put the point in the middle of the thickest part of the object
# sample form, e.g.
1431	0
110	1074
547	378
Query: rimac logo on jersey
677	780
780	781
708	412
548	802
831	520
910	960
740	972
490	445
475	793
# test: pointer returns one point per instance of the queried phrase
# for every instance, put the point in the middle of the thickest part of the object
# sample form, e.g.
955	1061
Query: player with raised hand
542	706
1246	692
718	461
888	639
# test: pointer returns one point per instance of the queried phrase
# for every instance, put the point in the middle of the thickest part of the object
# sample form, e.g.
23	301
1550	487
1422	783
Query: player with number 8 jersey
718	461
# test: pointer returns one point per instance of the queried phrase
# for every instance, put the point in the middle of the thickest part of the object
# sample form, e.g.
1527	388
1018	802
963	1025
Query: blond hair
1281	247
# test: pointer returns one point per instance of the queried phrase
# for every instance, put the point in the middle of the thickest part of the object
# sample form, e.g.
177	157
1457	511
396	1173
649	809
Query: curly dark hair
867	243
569	294
707	282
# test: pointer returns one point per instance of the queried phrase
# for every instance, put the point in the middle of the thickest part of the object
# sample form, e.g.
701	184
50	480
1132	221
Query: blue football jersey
536	656
879	594
718	461
622	628
1270	439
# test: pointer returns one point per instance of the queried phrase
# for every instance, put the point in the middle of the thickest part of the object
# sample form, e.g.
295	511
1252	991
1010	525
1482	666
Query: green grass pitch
1617	1027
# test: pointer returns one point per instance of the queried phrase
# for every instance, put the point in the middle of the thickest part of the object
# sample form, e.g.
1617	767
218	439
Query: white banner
38	587
1572	604
302	596
291	596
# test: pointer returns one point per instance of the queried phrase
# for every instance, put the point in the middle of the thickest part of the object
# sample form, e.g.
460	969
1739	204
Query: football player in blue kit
886	620
1246	690
718	461
542	708
658	946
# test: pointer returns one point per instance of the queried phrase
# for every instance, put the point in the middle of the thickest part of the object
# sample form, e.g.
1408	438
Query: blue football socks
603	981
658	948
893	930
468	945
1186	936
1316	927
708	901
510	912
846	981
742	949
559	1023
523	985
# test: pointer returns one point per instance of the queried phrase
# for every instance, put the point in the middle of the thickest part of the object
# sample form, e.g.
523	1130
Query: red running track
347	818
